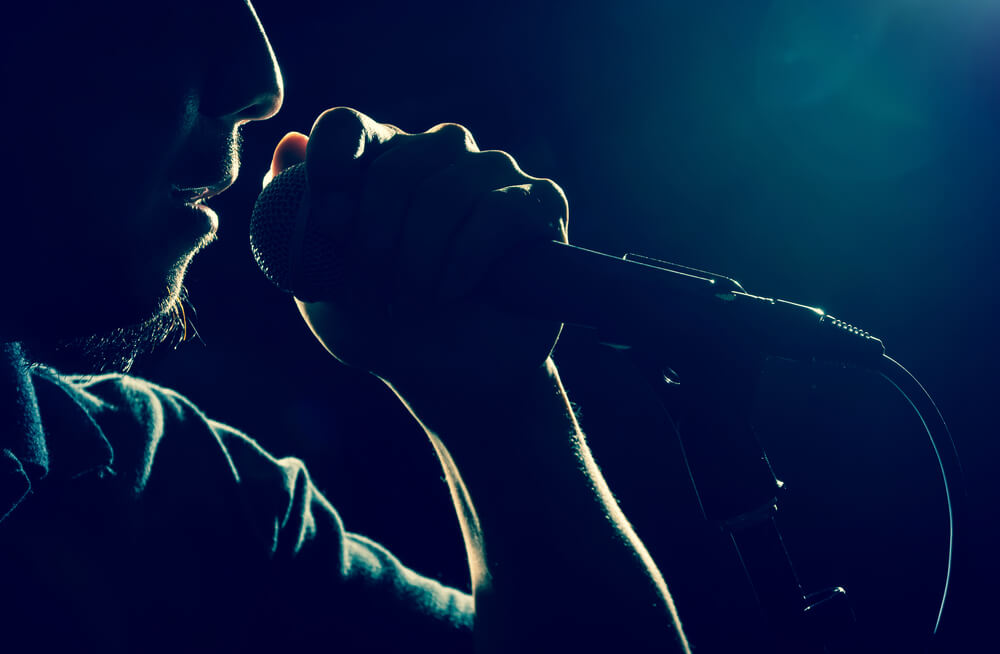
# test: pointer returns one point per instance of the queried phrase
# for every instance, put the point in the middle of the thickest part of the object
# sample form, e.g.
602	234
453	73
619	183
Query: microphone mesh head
298	258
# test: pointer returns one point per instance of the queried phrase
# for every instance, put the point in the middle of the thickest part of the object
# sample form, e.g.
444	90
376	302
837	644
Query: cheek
85	236
86	226
84	184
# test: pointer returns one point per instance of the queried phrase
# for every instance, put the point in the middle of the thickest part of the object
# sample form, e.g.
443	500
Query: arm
553	561
552	557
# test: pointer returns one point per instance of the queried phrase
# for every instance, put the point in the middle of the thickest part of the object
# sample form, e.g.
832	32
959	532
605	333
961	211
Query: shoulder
126	398
173	460
196	478
155	433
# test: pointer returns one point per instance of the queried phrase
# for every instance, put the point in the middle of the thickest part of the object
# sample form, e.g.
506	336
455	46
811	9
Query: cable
915	393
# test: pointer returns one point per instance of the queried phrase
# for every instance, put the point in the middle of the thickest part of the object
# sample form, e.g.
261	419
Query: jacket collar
23	455
26	394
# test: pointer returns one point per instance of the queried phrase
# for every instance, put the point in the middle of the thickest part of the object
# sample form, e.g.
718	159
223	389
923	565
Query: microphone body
629	302
653	306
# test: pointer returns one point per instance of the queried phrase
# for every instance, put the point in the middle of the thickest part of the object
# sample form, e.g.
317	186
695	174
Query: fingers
340	140
429	214
503	220
440	210
394	178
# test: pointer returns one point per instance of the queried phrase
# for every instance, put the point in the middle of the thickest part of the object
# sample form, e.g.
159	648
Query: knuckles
553	201
338	133
549	194
336	139
337	118
340	139
499	161
445	159
422	155
537	207
455	136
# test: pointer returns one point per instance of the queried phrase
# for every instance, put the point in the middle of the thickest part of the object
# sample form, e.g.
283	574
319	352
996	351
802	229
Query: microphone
644	303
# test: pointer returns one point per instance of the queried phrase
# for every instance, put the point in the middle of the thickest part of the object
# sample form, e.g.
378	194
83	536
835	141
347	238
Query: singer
130	521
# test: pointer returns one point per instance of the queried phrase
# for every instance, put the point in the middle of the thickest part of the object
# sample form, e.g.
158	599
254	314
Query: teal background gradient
839	153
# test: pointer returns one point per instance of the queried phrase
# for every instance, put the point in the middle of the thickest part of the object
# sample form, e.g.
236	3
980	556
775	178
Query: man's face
110	110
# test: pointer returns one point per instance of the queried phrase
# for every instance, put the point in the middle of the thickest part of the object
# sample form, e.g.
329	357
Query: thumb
291	150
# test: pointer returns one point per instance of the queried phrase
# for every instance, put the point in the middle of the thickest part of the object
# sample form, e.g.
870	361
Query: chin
150	286
113	349
107	295
110	325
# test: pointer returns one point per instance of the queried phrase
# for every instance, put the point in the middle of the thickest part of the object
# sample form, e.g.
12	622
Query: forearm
553	560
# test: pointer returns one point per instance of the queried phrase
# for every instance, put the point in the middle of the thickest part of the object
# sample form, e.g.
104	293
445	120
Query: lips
197	194
189	195
190	210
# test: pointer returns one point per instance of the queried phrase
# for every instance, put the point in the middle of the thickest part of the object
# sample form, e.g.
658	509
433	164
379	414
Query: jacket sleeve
364	587
287	568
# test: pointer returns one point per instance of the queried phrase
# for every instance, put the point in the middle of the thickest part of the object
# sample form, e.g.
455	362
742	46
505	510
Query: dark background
840	154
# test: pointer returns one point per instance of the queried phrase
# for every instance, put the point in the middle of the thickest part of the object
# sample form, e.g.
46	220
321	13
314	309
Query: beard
116	350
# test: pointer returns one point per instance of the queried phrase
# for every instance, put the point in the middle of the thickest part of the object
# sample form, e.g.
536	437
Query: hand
433	215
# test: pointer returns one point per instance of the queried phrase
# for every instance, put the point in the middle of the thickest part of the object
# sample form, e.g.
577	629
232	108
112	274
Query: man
131	522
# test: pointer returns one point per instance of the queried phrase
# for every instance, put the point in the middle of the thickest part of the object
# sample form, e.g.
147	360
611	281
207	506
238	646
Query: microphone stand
739	494
737	490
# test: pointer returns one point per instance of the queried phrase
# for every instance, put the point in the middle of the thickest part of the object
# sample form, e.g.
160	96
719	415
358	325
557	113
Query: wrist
456	406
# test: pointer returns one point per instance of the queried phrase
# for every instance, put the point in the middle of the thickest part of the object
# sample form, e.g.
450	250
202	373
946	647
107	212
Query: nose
243	81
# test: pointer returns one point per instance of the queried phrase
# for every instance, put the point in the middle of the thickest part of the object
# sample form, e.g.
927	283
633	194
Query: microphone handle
643	305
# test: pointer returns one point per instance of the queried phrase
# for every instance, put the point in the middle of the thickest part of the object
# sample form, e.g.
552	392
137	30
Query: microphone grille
296	257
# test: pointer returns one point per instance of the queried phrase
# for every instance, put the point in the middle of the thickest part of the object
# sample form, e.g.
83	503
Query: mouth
189	195
197	195
199	221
